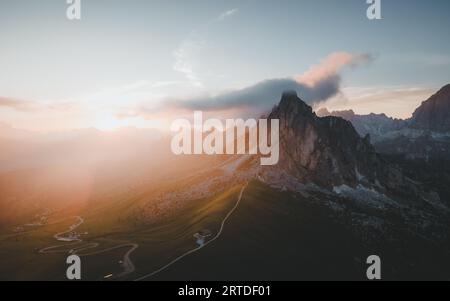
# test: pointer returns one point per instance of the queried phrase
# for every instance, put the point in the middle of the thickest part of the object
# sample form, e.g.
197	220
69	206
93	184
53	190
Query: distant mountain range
426	134
376	125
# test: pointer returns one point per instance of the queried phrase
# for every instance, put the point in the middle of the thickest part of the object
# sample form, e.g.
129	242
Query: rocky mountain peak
434	113
324	150
444	92
290	103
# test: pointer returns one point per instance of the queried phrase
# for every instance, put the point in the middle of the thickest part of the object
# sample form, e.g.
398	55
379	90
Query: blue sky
137	53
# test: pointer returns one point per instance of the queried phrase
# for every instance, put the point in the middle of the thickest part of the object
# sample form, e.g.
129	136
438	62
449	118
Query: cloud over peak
317	84
332	66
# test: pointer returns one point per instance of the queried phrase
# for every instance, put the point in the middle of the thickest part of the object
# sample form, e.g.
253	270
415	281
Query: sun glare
108	123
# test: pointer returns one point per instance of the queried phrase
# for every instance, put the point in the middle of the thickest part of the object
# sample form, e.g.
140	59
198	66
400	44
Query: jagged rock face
327	151
434	114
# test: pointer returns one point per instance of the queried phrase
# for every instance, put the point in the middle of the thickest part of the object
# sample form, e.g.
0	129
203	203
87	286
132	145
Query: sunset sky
131	63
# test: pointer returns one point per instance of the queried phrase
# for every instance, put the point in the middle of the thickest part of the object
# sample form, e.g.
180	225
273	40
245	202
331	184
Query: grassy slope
111	225
273	236
280	236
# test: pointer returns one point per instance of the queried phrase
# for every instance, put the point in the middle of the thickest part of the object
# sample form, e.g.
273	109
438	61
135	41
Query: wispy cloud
227	14
184	58
189	51
34	106
16	104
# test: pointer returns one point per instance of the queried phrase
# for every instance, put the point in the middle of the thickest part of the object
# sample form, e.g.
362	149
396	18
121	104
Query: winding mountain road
222	225
60	236
128	266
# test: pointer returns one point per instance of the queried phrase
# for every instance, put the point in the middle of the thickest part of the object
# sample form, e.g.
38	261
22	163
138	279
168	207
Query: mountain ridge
432	115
